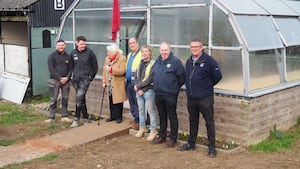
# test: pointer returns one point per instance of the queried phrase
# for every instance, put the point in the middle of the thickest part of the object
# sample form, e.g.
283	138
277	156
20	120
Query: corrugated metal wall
44	14
43	17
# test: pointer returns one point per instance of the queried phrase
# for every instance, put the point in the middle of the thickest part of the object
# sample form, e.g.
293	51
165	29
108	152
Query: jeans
81	88
166	106
54	87
132	100
205	106
146	104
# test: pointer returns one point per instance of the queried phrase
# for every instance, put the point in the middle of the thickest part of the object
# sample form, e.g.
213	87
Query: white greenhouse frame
268	12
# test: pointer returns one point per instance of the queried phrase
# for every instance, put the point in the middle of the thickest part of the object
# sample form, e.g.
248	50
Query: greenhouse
255	42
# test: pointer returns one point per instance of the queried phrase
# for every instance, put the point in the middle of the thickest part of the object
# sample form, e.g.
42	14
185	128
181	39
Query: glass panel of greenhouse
276	7
256	43
264	36
167	22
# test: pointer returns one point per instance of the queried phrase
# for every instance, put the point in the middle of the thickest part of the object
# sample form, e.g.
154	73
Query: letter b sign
59	4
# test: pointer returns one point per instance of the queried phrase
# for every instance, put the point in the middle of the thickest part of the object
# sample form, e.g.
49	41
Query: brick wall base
244	120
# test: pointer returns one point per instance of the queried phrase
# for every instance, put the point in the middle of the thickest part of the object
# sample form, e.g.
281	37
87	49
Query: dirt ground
128	152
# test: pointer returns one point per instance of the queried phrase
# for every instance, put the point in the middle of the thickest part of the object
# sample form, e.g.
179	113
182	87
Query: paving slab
35	148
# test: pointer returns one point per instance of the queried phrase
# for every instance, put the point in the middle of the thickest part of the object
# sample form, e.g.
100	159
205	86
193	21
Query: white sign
13	87
59	4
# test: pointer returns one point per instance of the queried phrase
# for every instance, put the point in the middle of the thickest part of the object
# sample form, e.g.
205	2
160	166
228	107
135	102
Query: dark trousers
132	100
54	88
166	106
116	110
81	88
205	106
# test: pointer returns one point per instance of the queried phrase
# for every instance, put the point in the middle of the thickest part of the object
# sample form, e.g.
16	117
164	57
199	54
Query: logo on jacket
75	56
201	64
168	65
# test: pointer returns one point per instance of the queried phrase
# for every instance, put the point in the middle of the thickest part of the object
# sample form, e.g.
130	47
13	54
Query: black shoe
186	147
159	140
170	144
119	121
212	152
109	120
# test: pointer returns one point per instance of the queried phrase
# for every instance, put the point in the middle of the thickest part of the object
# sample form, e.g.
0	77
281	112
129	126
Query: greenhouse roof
263	7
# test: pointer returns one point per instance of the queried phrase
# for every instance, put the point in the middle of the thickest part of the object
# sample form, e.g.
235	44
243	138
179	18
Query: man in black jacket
60	74
202	73
85	69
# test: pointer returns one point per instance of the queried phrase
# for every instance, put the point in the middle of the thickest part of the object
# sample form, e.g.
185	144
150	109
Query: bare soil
128	152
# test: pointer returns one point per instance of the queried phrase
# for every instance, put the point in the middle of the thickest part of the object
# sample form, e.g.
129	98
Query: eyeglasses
132	43
193	47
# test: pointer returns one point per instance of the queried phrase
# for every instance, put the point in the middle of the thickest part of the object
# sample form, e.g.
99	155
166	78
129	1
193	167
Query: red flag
115	25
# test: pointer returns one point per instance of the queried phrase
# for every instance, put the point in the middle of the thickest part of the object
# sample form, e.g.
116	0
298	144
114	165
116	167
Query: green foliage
277	140
49	157
53	126
40	99
7	142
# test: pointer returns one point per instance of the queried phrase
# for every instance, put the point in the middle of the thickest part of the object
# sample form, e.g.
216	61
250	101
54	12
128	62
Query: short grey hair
114	48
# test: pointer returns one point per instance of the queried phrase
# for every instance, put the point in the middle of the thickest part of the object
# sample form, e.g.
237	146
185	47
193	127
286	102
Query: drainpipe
0	31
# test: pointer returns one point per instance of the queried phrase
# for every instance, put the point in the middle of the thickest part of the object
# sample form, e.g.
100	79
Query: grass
12	114
278	140
7	141
40	99
19	122
46	158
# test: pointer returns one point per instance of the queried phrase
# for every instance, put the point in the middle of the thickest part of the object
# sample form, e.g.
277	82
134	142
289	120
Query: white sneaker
49	121
152	135
141	132
87	121
75	124
66	119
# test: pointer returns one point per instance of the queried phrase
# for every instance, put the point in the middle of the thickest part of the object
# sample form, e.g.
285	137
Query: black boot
212	152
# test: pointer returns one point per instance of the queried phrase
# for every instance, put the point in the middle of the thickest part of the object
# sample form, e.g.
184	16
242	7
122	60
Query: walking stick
103	93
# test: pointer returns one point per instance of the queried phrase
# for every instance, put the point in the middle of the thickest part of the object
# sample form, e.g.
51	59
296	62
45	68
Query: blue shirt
128	69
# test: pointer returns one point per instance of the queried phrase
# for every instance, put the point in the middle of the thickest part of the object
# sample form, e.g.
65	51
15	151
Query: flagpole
118	39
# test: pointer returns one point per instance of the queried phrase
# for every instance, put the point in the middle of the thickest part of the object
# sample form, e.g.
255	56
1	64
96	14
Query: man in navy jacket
202	73
168	77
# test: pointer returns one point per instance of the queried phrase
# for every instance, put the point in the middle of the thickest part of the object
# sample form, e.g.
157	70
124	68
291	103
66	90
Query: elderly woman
114	79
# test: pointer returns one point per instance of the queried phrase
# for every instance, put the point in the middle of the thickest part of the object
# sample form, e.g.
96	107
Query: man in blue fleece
202	73
168	77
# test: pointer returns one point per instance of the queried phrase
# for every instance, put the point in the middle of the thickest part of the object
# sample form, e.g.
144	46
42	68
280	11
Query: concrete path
35	148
